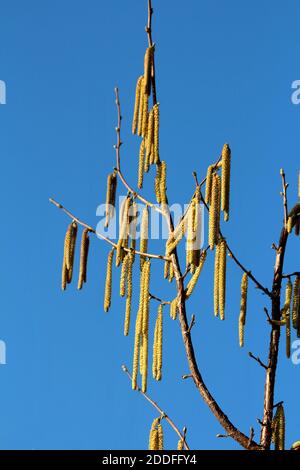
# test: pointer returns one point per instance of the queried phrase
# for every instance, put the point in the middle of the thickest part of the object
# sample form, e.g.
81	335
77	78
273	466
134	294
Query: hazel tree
211	194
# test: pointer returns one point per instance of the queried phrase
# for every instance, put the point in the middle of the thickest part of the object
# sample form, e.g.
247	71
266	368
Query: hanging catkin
160	436
226	157
243	308
171	272
123	275
157	345
167	269
144	307
156	133
174	308
124	230
141	164
157	183
222	278
178	233
145	116
144	234
108	280
84	251
137	335
216	280
149	140
296	301
148	60
180	444
190	235
136	104
208	186
279	428
110	197
194	279
133	218
287	316
67	245
153	436
129	293
72	251
163	183
214	212
140	113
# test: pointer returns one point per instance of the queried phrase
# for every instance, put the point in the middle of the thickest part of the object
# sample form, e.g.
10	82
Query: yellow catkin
149	140
72	251
123	276
156	133
167	269
222	278
135	366
163	183
129	293
145	116
141	164
225	191
108	281
64	275
171	272
174	308
190	235
136	105
157	183
296	446
279	428
194	279
144	234
140	114
133	218
157	345
145	363
180	444
243	308
214	212
296	301
216	280
160	437
124	230
67	245
148	60
293	217
289	226
84	250
208	186
145	298
287	316
110	197
178	233
153	436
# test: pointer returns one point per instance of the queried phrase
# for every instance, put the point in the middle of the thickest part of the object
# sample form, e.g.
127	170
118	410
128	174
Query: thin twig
103	237
295	273
158	408
163	302
257	359
284	196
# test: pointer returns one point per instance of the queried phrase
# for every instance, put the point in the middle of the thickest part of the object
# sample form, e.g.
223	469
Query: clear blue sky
224	73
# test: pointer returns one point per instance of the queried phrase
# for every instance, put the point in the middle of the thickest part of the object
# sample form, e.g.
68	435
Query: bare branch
158	408
163	302
284	196
257	359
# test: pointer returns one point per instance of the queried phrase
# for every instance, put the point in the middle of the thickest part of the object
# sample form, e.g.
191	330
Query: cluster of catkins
146	125
69	255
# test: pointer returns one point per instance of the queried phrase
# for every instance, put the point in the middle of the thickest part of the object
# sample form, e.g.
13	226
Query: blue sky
224	74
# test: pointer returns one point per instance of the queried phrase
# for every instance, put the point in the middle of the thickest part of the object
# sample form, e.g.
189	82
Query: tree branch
103	237
266	433
257	359
161	412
